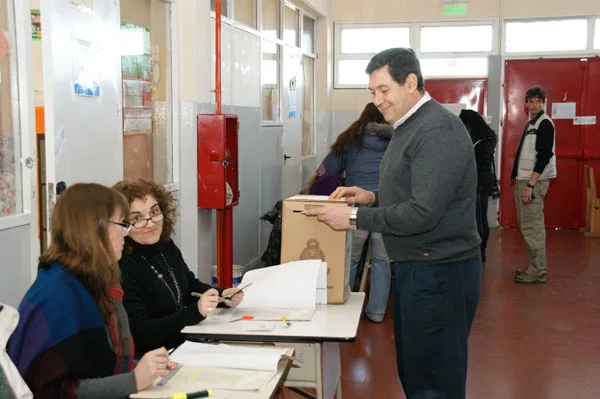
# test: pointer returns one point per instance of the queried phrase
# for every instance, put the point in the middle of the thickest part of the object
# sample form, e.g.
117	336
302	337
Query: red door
591	133
471	92
563	80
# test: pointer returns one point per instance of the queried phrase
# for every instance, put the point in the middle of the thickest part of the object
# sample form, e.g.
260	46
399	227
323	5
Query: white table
316	342
267	392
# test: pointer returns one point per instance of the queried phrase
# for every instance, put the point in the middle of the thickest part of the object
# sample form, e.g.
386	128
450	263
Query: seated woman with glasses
73	338
157	282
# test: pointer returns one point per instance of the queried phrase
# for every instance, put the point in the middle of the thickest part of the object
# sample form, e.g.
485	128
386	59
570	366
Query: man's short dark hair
401	62
535	91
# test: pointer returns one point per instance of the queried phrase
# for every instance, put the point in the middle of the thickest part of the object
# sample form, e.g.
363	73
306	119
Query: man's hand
527	196
338	218
354	195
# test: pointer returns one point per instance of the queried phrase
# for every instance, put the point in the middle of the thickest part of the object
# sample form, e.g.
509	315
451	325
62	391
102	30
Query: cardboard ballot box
304	237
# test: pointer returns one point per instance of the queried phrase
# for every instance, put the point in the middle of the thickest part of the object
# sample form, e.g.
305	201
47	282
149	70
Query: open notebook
220	366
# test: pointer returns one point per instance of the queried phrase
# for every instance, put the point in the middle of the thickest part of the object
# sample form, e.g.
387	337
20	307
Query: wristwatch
530	185
353	213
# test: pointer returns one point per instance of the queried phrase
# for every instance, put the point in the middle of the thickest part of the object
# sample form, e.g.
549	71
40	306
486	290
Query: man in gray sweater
425	208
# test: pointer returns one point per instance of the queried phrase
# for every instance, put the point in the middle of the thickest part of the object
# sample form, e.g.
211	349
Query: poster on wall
36	25
292	98
455	108
86	76
564	110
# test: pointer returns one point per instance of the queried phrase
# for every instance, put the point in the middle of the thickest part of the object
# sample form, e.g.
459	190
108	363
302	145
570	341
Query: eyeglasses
156	216
126	226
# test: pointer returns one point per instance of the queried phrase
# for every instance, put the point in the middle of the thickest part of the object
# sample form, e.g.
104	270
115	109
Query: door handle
286	157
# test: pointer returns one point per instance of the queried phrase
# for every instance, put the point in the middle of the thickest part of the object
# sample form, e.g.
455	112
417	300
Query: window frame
19	20
589	49
338	56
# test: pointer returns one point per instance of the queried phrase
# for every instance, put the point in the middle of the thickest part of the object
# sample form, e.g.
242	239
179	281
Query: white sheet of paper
563	110
292	285
322	284
455	108
196	354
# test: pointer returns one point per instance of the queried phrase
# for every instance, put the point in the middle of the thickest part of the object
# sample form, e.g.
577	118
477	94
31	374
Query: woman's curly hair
139	188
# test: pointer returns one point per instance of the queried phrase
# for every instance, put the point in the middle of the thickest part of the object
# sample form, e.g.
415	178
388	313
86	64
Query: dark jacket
484	157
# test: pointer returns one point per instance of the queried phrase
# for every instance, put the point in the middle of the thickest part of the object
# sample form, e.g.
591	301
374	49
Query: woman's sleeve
115	386
151	333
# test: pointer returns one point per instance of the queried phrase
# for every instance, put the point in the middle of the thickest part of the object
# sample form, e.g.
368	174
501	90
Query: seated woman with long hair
157	282
73	338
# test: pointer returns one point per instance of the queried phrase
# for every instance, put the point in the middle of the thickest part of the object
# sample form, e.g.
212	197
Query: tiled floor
527	341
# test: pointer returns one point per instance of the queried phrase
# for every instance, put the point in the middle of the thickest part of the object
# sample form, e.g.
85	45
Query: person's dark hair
138	189
401	62
477	127
352	136
80	240
535	91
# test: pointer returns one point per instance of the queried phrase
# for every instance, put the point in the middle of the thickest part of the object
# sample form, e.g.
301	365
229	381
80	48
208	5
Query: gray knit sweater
426	201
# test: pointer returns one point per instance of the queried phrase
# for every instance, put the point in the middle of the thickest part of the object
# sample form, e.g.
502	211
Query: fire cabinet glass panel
146	70
271	19
454	67
269	77
308	104
10	137
292	22
373	40
557	35
456	38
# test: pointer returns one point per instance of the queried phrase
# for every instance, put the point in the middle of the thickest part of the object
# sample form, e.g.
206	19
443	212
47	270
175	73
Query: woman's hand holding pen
236	296
209	301
153	364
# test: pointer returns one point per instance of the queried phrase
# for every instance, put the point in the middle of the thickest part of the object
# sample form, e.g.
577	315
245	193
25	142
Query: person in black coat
156	280
484	143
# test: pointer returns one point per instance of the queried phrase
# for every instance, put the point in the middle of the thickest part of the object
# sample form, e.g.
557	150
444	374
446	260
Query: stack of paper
223	366
289	290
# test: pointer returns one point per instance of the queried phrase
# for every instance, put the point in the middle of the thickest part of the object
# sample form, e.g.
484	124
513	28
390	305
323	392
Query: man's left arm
543	148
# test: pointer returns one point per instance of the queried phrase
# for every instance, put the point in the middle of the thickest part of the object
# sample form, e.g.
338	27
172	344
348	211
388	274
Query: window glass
224	10
308	34
244	11
146	69
373	40
290	33
597	35
352	72
456	38
271	19
10	171
308	105
269	77
454	67
540	36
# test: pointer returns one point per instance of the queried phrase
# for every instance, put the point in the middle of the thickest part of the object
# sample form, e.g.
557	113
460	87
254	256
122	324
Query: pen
199	295
240	289
192	395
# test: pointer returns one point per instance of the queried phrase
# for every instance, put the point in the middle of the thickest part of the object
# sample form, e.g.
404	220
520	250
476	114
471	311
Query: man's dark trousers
434	307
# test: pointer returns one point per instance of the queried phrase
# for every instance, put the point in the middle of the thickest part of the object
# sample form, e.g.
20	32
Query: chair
592	205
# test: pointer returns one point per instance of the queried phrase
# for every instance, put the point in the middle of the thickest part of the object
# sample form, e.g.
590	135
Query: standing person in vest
534	166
